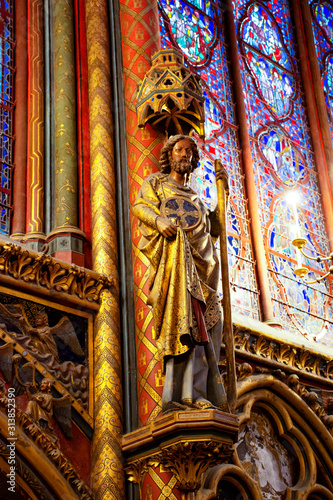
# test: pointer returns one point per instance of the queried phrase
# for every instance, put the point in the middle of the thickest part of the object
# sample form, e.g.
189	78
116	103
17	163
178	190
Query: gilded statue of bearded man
183	280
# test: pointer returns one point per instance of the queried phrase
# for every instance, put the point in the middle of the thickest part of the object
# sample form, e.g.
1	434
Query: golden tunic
180	268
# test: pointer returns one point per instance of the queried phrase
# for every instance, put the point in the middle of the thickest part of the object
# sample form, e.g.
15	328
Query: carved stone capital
185	443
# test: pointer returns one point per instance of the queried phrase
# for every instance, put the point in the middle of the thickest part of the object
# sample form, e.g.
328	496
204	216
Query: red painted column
20	122
317	111
140	40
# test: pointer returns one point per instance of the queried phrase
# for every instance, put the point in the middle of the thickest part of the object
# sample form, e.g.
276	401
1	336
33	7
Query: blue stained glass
6	112
192	30
214	115
268	60
259	30
282	155
323	14
322	25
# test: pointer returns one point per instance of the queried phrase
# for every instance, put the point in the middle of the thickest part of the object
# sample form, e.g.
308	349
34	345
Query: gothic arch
296	426
34	473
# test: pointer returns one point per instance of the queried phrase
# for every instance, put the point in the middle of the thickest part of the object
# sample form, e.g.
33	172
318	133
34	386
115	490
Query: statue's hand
221	173
165	227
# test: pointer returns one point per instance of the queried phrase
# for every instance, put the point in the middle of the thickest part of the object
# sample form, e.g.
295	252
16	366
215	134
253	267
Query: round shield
183	212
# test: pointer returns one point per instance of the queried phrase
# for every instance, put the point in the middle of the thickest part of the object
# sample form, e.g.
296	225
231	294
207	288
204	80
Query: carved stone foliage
186	460
298	358
189	443
39	269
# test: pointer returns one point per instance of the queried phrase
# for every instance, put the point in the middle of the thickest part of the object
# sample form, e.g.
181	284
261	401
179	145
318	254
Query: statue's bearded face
181	157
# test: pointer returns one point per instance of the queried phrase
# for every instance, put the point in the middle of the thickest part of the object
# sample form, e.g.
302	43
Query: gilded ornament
170	96
253	345
286	354
37	268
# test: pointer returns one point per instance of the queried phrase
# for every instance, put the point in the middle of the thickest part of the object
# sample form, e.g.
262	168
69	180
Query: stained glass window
196	28
322	22
285	174
6	110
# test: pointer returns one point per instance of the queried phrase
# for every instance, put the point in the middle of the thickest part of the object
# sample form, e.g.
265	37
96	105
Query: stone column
107	465
65	240
35	236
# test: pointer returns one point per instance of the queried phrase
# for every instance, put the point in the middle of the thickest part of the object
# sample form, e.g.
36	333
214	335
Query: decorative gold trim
170	97
28	267
276	352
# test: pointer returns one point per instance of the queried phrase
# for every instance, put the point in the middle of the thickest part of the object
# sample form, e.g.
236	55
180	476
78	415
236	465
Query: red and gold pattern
140	37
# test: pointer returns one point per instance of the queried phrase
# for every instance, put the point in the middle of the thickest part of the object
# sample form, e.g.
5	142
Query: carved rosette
170	97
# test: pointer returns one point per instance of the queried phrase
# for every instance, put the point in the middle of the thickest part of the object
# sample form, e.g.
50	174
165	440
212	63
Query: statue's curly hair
168	147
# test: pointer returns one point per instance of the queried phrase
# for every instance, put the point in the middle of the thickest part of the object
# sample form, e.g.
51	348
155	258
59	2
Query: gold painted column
65	240
35	164
107	465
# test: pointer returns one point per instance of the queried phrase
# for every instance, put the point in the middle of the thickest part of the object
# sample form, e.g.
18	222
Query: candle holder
301	271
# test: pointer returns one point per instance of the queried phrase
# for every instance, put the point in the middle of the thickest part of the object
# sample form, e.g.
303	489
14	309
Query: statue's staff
228	338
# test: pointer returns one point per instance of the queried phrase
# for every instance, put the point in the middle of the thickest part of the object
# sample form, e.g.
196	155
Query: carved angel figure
41	341
41	406
42	335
